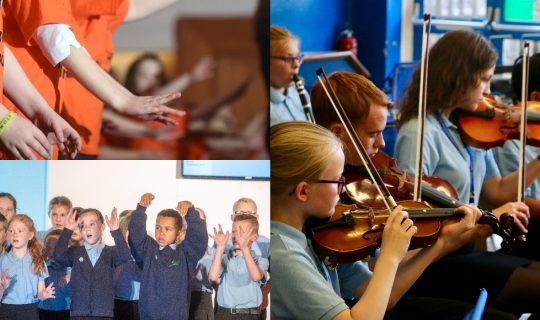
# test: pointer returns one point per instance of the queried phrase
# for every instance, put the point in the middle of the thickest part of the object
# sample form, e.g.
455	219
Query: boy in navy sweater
167	266
92	284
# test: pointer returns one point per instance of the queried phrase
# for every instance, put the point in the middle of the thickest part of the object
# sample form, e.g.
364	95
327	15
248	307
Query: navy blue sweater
92	287
167	273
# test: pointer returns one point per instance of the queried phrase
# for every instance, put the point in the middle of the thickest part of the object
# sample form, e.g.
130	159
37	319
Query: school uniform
238	296
458	275
59	306
127	286
167	271
92	283
286	107
201	306
20	298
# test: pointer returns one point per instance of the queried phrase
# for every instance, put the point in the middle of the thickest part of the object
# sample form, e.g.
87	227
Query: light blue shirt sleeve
351	276
303	292
284	108
507	159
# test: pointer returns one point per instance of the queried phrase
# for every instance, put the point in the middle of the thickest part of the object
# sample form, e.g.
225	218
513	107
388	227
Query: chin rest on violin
494	122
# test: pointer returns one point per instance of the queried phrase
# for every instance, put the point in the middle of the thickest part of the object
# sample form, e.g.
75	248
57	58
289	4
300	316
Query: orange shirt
1	53
97	19
21	20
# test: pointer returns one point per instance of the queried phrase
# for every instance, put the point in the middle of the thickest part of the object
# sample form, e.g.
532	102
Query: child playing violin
461	65
306	170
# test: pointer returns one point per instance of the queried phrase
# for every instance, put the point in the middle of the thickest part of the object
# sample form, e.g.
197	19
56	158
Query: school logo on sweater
81	259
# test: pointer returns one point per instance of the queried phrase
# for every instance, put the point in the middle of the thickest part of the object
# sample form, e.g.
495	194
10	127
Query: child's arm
138	239
221	241
23	93
4	281
196	238
245	239
121	249
61	252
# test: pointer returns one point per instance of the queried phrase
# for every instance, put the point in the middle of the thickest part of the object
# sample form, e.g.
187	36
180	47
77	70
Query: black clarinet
303	98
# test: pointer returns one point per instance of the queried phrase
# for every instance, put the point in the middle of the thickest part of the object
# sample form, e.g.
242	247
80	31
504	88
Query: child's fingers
220	229
215	231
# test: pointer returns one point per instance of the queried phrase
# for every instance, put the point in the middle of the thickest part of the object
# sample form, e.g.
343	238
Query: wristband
6	121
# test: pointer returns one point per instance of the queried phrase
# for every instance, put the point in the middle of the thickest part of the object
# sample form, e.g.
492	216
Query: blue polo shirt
236	289
286	107
442	159
307	288
94	252
507	158
200	281
23	287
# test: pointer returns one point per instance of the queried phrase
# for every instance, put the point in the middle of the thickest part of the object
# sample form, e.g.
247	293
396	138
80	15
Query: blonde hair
300	151
59	201
34	245
244	200
279	38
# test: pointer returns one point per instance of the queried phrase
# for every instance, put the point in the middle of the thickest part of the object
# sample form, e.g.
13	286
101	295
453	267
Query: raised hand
245	237
220	237
5	279
146	199
71	220
397	234
201	212
113	222
183	207
204	69
47	292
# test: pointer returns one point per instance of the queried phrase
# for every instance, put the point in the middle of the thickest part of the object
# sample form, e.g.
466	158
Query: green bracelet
6	121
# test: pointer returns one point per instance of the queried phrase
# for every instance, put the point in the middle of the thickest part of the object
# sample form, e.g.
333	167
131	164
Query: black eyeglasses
341	184
290	60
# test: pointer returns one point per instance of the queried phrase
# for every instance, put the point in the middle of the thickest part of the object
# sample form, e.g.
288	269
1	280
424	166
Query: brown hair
456	63
125	217
52	233
59	201
34	245
300	151
356	94
248	217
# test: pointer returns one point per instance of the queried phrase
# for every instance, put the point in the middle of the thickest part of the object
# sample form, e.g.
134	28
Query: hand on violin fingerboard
146	199
183	207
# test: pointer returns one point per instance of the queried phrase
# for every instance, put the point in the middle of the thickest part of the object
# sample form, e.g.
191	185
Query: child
8	205
239	289
25	267
92	285
58	209
127	278
57	308
167	267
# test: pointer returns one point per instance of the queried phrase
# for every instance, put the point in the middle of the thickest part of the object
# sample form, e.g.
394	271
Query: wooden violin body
493	123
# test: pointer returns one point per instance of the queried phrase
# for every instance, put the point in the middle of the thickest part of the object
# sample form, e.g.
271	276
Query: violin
437	192
495	122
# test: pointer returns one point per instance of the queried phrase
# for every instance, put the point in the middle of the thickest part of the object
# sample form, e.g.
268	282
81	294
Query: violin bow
388	200
426	30
523	124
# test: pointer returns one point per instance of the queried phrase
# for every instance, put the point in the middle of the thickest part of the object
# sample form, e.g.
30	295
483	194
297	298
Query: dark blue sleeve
139	241
196	240
63	254
121	249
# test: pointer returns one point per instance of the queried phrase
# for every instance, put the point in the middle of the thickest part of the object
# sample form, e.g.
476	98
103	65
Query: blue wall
27	182
315	22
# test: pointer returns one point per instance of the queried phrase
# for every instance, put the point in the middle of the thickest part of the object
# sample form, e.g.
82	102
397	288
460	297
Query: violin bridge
371	217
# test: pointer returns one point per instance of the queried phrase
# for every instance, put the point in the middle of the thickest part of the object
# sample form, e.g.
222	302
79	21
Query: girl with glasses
285	60
304	158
